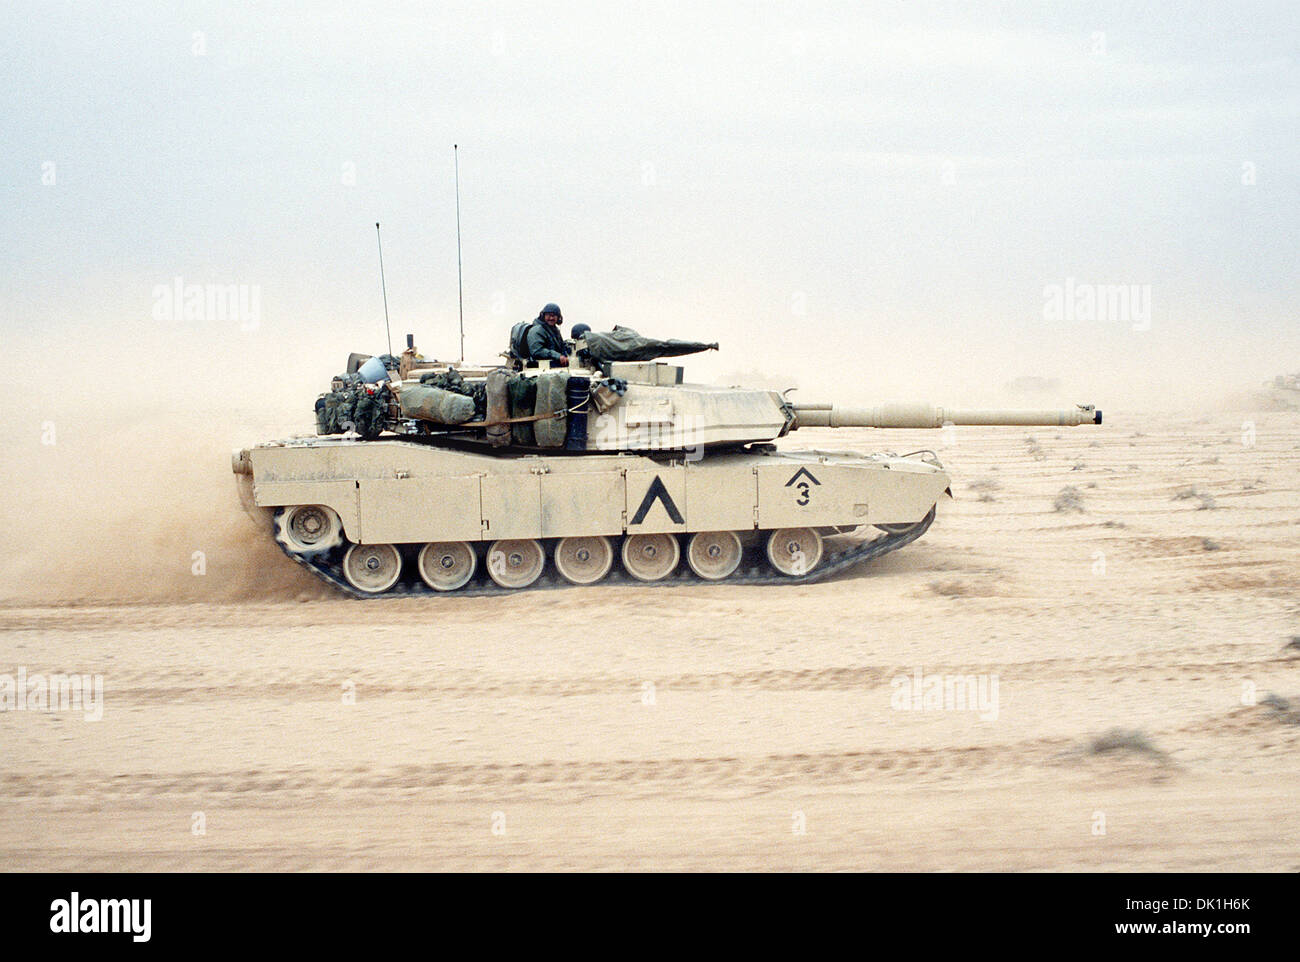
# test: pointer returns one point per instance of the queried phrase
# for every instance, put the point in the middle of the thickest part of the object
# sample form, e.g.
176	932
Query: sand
253	720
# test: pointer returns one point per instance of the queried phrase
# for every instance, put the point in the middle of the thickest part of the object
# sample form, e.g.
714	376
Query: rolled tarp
523	403
498	407
434	404
551	399
625	344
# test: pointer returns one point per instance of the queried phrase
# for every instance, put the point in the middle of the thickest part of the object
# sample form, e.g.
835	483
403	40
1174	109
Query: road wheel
515	563
714	555
372	568
584	561
794	551
651	557
446	565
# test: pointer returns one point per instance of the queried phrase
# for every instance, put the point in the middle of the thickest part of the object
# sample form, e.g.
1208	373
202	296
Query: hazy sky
885	191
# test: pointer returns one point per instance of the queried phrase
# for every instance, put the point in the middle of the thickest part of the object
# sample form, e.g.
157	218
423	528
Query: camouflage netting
625	344
452	380
353	409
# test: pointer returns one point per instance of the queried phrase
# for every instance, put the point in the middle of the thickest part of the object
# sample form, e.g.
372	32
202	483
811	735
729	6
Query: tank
473	479
1281	393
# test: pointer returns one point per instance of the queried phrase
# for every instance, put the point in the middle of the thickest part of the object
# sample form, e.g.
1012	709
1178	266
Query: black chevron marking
657	492
806	473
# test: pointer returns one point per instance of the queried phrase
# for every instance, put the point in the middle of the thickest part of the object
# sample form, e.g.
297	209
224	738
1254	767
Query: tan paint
444	495
698	479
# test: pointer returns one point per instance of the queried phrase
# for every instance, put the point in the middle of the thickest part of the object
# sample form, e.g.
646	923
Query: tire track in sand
177	686
755	773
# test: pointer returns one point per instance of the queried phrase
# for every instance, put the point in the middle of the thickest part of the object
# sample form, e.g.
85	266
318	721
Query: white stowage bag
435	404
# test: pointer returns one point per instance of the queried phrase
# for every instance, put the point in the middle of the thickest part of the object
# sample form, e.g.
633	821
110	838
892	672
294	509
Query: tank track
328	568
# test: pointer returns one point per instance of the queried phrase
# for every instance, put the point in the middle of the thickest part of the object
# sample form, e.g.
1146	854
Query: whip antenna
384	288
460	284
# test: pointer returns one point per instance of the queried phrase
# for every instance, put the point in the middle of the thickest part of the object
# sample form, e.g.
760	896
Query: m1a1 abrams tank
433	477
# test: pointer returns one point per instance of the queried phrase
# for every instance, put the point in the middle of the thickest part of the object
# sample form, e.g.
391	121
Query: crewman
577	334
544	341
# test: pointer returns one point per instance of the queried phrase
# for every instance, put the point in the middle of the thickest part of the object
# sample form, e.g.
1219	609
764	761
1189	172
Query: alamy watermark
1110	303
75	915
657	430
938	692
179	301
50	693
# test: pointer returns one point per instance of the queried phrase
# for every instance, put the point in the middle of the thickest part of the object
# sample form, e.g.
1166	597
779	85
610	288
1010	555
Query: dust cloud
135	509
117	487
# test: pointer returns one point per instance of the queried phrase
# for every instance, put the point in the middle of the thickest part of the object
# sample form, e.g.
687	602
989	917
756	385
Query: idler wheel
446	565
372	568
714	555
794	551
308	529
515	563
651	557
584	561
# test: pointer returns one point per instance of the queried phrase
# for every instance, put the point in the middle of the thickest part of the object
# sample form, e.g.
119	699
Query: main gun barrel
926	416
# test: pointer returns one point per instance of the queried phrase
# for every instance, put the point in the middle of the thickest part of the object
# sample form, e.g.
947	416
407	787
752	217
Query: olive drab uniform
545	343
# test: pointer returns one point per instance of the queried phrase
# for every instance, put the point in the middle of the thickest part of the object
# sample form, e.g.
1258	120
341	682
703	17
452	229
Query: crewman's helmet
580	330
551	309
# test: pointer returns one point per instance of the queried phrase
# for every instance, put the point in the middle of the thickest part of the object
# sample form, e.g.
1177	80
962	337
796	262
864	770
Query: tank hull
409	493
397	491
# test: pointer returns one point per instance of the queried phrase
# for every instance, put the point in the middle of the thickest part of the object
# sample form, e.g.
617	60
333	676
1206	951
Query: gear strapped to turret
625	344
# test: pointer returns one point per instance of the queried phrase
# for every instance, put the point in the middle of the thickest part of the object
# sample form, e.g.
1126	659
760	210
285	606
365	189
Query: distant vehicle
1280	393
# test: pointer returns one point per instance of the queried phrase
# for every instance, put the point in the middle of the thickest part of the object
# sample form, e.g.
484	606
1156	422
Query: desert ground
1134	588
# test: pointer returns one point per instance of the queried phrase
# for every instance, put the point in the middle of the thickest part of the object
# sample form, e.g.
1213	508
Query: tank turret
430	477
610	405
